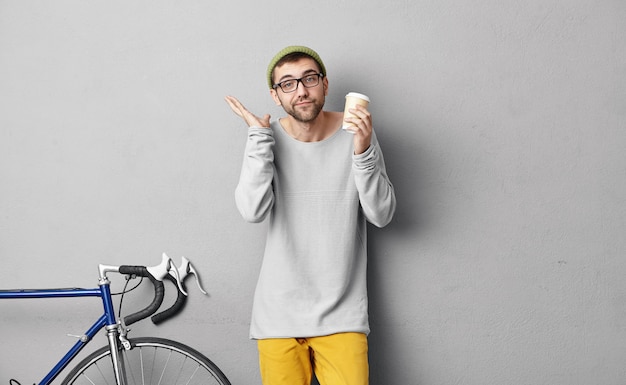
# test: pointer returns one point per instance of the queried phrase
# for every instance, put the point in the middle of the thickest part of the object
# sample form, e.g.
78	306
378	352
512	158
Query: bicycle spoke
165	366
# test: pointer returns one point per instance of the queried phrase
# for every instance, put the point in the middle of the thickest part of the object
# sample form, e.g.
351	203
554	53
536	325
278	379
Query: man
318	184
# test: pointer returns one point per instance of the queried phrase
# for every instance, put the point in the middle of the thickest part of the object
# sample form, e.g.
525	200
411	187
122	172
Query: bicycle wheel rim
151	361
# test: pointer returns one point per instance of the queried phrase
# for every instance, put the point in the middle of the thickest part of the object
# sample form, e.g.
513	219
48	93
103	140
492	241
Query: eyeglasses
291	85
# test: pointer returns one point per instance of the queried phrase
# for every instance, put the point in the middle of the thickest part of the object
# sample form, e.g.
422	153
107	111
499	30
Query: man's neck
322	127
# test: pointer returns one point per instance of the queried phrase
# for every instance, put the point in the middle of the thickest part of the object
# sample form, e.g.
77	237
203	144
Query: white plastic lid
358	95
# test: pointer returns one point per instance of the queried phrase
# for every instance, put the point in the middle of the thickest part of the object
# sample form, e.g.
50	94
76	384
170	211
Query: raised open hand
250	119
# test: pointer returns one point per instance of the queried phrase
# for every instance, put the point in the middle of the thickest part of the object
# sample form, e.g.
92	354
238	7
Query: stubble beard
307	115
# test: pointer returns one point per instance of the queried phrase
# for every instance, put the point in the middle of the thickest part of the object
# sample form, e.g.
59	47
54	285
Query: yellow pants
337	359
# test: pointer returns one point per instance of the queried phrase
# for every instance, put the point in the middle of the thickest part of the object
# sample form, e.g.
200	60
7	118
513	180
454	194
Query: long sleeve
254	196
376	193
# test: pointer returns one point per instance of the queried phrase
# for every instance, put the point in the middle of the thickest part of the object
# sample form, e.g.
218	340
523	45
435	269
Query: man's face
304	104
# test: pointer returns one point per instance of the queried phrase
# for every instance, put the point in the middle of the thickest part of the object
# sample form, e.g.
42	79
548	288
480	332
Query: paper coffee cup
352	99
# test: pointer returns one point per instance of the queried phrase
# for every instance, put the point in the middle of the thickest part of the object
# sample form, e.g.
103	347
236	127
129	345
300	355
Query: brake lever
187	268
166	267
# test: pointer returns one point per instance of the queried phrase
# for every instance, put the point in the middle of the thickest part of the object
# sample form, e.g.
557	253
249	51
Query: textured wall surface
503	125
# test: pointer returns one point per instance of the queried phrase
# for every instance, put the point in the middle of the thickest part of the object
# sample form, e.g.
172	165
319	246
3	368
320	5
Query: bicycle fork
117	355
115	335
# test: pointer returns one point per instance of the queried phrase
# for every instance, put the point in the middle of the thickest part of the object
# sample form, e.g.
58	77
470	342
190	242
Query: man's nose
301	89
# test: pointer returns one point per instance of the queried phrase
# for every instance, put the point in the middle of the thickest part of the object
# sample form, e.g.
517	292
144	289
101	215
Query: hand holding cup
352	100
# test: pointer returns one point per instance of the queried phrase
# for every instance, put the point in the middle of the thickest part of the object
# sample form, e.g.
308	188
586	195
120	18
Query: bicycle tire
150	361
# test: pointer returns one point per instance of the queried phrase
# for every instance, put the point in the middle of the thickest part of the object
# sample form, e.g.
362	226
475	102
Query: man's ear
275	97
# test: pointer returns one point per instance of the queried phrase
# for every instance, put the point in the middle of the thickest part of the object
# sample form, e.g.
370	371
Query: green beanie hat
289	50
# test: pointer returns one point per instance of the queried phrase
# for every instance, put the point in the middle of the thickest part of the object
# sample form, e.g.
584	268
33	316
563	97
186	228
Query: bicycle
128	361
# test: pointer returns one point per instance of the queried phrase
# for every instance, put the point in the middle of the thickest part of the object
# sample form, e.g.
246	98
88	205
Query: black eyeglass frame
319	75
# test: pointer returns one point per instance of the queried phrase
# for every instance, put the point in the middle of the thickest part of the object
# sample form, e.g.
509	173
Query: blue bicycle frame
106	320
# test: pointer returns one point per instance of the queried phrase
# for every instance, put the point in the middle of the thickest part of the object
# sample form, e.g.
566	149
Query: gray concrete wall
503	125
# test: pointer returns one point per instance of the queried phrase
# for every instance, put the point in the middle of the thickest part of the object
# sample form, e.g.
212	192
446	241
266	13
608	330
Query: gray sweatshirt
317	197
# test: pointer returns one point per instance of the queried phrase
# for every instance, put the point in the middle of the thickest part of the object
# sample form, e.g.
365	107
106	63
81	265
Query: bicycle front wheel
150	361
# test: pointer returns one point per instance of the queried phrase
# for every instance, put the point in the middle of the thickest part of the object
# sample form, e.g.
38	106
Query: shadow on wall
407	167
